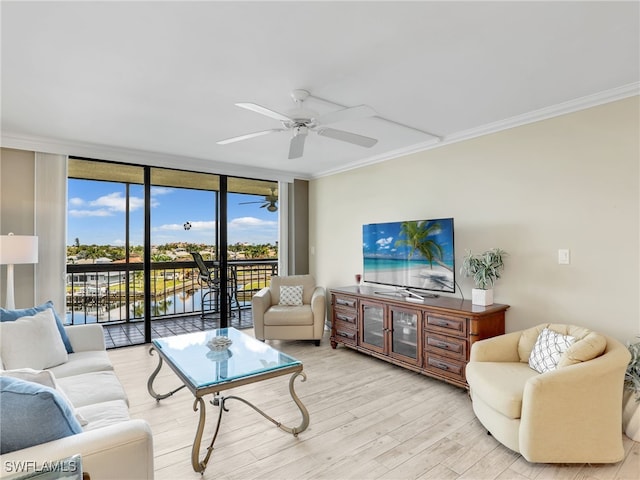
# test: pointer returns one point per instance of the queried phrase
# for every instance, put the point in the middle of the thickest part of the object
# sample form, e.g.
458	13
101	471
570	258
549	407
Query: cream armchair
276	321
568	415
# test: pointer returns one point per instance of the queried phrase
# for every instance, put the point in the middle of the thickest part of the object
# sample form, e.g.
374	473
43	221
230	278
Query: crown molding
140	157
581	103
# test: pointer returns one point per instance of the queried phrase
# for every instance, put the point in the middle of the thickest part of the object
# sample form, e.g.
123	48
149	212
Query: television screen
415	254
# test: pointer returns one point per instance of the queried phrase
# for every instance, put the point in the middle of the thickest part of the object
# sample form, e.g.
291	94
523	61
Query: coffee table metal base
220	401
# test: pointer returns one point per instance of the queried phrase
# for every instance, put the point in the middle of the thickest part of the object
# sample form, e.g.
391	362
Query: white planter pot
482	297
631	416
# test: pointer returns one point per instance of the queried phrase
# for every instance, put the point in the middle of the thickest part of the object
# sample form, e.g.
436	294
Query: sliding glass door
134	232
184	211
105	238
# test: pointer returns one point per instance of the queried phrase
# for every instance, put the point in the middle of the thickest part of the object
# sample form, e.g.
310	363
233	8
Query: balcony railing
109	293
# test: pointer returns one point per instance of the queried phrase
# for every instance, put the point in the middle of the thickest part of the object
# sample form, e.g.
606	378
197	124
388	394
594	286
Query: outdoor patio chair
210	281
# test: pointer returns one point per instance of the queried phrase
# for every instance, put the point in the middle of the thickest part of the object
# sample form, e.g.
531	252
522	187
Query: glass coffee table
205	365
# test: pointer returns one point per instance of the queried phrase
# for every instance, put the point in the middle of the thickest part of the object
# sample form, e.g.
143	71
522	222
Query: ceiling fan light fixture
301	120
300	130
269	201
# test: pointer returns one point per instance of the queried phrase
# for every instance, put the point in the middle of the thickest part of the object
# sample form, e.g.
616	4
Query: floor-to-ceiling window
105	228
184	209
132	231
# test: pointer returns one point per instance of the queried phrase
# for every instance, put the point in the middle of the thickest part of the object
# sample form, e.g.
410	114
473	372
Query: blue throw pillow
32	414
12	315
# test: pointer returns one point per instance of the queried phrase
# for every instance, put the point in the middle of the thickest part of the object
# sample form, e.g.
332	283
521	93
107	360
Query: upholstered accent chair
290	308
568	414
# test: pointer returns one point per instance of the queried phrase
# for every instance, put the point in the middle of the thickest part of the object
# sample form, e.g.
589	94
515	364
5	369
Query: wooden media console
431	336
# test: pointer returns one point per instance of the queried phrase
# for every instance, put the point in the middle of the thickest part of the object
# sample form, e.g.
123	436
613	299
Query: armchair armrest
587	399
503	348
85	338
318	298
123	450
319	309
260	303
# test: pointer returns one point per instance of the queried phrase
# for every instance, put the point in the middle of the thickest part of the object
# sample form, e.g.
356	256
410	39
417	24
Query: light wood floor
369	420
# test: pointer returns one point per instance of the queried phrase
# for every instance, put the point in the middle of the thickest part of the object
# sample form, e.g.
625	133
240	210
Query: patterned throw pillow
548	349
291	295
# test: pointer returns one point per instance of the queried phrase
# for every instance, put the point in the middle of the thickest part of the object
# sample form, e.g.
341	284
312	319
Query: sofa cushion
43	377
94	387
32	342
548	349
591	346
83	362
12	315
289	315
500	384
103	414
32	414
290	295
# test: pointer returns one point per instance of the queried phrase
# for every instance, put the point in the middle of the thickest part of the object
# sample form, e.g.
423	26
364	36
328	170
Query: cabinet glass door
373	325
404	332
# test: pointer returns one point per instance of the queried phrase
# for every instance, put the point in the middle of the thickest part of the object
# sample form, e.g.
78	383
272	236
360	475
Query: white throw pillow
291	295
43	377
32	342
548	349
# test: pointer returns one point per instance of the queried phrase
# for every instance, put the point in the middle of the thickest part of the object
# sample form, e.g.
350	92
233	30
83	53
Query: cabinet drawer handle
346	318
350	336
348	303
441	323
440	365
441	345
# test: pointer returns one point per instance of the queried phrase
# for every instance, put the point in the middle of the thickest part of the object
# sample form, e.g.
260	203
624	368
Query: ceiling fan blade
249	135
348	137
296	147
351	113
265	111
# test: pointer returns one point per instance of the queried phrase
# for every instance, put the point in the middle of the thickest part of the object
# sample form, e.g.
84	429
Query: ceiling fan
269	201
300	121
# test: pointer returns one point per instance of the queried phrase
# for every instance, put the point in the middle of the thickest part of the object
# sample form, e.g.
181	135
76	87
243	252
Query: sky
96	215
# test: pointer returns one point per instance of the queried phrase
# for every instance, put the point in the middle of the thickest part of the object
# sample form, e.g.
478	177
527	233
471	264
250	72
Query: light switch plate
564	256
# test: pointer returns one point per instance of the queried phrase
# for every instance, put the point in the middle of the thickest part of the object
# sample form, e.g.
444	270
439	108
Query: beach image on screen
416	254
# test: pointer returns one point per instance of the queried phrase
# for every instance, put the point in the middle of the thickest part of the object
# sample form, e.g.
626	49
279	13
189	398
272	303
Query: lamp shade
16	249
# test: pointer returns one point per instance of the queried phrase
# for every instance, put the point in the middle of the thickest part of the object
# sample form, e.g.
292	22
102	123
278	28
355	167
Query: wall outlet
564	256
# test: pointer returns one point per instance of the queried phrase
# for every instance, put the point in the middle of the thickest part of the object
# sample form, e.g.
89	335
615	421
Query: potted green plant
485	269
631	403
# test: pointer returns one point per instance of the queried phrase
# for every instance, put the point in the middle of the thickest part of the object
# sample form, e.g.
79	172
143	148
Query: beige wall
17	215
569	182
32	202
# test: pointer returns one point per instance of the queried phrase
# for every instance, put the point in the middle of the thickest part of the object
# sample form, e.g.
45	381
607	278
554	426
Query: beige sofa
275	321
112	445
568	415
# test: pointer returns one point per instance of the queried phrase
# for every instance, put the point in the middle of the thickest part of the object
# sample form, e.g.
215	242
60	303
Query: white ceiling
113	78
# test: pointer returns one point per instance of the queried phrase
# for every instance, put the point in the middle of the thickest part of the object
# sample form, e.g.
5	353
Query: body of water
180	303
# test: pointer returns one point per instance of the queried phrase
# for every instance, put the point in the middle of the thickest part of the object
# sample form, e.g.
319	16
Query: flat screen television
412	255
